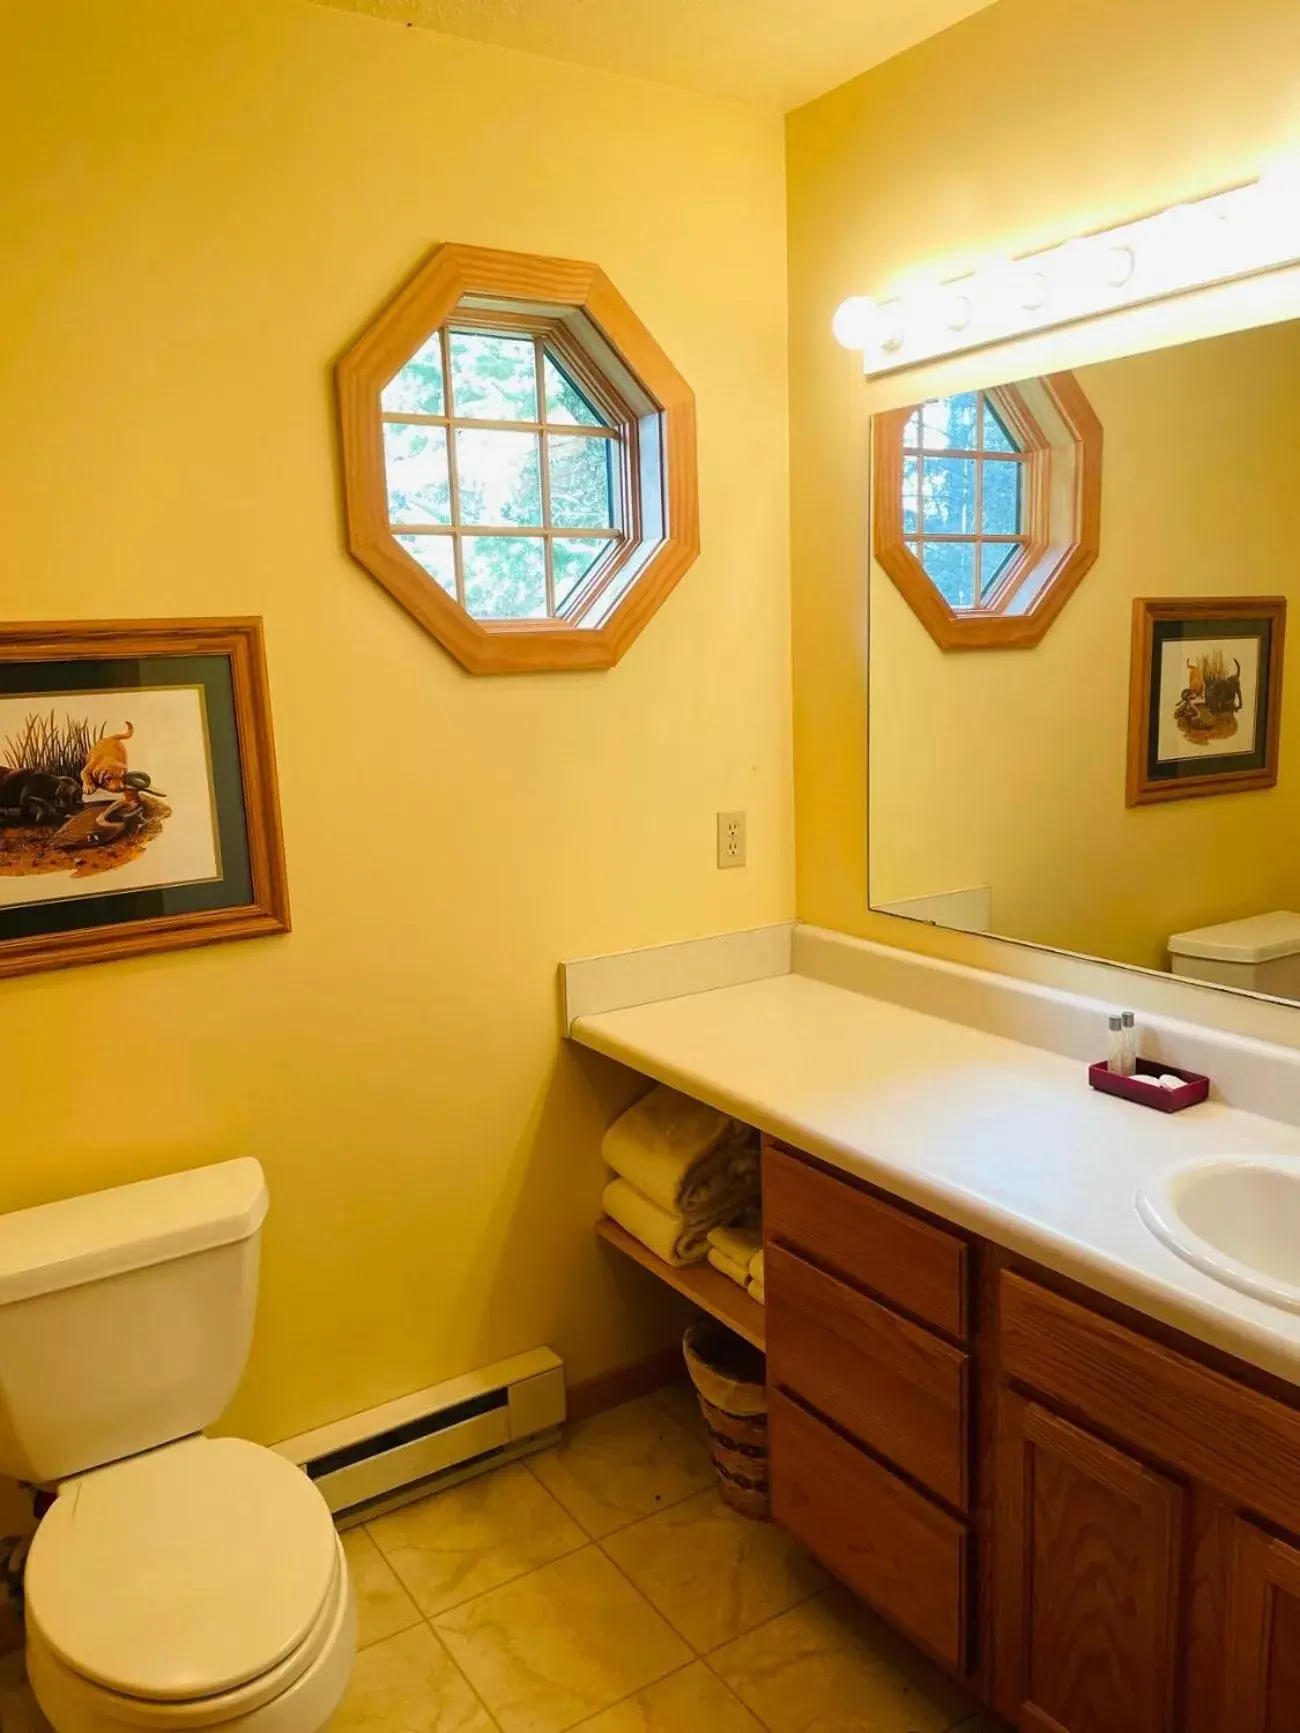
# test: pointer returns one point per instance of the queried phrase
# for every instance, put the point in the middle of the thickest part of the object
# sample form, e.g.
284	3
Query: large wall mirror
1085	708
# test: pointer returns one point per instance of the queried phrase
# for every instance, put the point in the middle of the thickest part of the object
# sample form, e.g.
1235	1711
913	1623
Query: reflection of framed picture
1205	696
138	807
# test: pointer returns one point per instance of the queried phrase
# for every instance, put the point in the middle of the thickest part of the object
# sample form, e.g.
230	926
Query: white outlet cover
731	839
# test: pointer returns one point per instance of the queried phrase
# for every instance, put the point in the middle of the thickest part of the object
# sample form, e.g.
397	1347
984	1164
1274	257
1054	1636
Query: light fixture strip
1226	236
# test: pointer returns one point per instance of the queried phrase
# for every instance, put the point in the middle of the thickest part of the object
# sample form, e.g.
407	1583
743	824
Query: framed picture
1205	696
138	804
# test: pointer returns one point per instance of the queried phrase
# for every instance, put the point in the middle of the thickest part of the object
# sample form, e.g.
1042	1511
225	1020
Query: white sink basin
1237	1217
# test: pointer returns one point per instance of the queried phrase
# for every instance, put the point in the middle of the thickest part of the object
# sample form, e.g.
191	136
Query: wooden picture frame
100	857
1205	696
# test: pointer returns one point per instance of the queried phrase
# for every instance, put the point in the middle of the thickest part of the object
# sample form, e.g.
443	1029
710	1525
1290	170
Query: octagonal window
506	474
519	466
987	508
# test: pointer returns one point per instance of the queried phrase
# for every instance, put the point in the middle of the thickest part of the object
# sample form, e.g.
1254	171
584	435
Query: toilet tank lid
108	1233
1257	939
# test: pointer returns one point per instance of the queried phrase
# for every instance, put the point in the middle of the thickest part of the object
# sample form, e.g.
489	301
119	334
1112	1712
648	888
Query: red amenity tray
1195	1087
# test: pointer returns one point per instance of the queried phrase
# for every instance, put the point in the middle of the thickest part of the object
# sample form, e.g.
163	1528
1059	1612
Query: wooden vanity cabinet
1089	1518
913	1263
887	1541
1263	1634
869	1397
1089	1548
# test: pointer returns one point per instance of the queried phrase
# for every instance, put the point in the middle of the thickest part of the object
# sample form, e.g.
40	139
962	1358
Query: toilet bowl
176	1580
202	1584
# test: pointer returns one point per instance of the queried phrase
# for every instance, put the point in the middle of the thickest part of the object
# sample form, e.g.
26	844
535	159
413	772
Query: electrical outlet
731	839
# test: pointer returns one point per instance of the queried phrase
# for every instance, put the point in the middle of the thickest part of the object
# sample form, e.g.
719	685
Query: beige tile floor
602	1584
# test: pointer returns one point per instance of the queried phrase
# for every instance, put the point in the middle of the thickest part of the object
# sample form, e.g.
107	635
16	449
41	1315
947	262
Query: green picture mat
234	889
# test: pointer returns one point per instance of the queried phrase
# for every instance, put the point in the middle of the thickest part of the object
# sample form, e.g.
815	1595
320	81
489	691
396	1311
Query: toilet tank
1260	953
125	1317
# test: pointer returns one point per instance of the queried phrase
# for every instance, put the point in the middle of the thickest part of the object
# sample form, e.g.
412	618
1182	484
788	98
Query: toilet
176	1580
1260	953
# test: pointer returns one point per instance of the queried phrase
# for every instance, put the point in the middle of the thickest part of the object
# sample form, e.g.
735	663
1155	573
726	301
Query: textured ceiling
774	53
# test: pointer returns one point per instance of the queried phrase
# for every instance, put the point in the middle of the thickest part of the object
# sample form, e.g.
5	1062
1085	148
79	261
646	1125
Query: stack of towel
737	1251
680	1169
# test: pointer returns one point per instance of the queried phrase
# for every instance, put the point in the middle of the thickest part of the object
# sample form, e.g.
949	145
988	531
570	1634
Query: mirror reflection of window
986	507
964	496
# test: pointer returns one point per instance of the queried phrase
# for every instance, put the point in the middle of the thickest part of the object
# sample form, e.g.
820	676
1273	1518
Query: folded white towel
684	1156
757	1292
739	1273
738	1240
756	1267
668	1236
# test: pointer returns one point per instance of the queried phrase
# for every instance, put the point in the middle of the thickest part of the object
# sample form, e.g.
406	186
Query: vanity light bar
1240	233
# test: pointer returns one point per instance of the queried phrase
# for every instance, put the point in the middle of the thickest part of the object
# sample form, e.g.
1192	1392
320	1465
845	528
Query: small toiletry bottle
1115	1058
1129	1024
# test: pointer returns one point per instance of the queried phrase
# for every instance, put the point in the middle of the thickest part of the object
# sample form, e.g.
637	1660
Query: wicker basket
730	1380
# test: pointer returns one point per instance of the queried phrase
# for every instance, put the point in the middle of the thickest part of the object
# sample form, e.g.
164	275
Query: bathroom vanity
1057	1455
1086	1516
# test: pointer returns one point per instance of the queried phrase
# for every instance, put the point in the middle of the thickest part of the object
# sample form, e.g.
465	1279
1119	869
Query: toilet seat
299	1695
187	1586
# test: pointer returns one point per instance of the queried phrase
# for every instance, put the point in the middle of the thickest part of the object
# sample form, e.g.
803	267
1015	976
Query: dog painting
1207	709
1205	696
92	798
139	808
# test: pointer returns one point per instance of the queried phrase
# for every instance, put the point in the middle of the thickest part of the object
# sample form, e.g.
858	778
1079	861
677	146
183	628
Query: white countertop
1001	1138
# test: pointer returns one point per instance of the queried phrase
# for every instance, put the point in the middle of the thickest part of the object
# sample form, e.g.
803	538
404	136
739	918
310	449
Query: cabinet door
1088	1542
1263	1661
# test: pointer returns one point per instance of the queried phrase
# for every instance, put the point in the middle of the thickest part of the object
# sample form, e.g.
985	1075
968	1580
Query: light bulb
1080	267
1032	288
1184	242
890	327
1280	182
854	320
1121	262
1271	207
958	310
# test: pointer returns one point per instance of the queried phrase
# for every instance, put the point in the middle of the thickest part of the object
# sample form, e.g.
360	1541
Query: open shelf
711	1291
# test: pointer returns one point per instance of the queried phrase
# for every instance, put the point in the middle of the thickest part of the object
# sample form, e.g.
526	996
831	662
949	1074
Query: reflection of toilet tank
1260	953
125	1317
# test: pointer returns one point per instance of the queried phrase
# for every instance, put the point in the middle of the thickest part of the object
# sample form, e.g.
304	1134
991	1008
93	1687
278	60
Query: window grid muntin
981	602
620	436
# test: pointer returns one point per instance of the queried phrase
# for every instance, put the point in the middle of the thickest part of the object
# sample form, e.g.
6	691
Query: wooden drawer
859	1236
888	1543
889	1382
1212	1429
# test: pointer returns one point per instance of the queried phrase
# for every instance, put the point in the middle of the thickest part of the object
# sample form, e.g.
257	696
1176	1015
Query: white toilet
176	1581
1260	953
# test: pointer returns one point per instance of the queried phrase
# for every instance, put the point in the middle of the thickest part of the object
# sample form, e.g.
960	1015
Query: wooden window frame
1061	534
574	312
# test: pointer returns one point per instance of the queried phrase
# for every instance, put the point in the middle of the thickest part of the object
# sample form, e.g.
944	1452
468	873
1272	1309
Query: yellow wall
201	203
1024	124
1007	769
